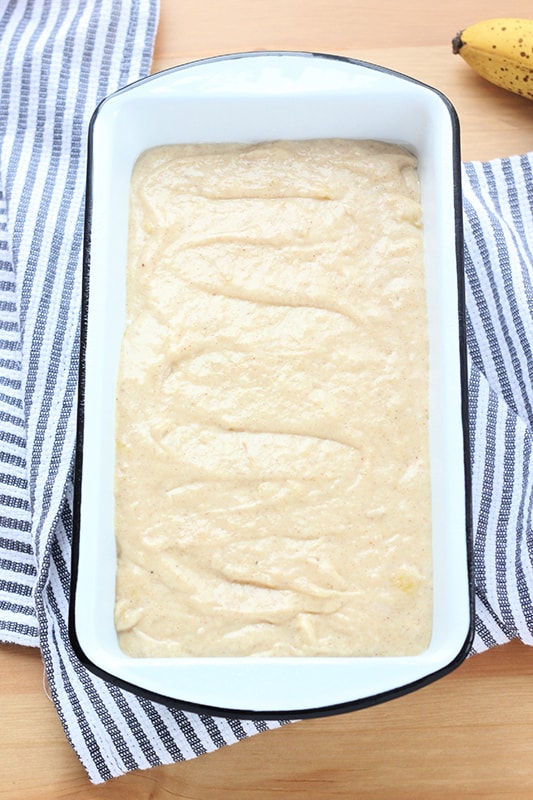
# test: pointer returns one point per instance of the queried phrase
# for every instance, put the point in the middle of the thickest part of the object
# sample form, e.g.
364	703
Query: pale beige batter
272	481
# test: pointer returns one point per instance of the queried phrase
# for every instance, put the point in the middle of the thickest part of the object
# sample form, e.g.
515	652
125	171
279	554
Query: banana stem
457	42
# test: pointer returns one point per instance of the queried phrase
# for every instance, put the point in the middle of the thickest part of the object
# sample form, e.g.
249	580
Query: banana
501	51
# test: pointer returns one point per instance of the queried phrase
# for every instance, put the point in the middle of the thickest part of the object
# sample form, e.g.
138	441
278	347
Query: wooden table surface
470	735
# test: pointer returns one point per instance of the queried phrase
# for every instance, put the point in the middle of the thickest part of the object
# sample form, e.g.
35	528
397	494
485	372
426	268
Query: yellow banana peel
501	51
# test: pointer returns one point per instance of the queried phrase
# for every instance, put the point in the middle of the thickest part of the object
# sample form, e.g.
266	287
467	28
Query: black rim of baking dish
281	714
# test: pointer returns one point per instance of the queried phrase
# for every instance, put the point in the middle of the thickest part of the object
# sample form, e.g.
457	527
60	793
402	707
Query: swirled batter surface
272	477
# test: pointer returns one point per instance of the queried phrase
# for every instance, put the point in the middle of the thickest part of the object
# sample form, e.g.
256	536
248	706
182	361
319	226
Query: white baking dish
257	97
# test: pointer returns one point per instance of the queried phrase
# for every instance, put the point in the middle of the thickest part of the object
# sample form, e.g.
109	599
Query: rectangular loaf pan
258	97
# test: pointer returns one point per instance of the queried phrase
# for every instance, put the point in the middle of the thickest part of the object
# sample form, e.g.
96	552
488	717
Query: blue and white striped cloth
58	58
498	218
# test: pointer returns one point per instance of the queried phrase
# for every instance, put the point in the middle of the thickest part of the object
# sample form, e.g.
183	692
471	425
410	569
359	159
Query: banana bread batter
272	468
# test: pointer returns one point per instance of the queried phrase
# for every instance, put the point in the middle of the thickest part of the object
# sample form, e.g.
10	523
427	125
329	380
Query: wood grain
191	29
466	736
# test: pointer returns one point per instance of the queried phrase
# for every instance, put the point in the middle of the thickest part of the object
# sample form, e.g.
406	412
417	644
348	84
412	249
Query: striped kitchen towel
498	218
58	58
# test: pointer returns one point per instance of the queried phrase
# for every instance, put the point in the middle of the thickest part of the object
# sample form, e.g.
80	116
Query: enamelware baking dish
257	97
